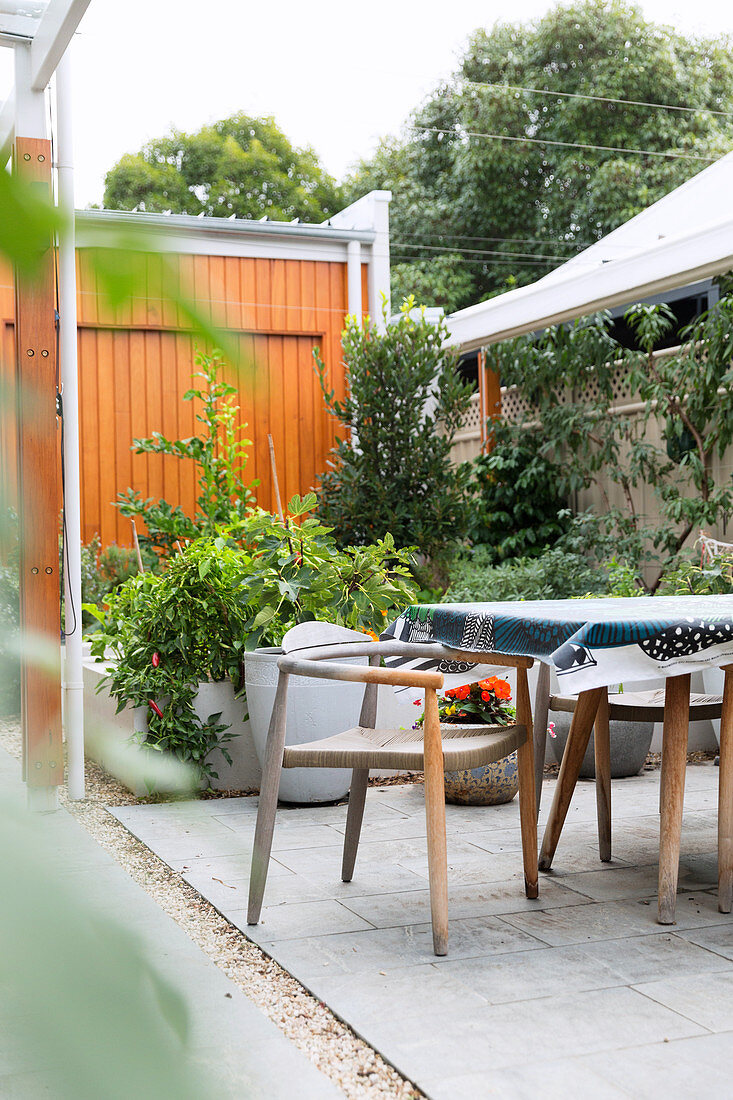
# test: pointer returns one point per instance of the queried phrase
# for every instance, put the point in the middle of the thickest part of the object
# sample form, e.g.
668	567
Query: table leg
674	762
602	743
527	801
583	718
725	798
541	713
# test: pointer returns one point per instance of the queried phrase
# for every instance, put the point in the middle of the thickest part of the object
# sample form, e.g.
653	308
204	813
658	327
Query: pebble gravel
355	1067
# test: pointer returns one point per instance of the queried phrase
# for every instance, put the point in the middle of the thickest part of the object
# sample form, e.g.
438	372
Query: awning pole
73	666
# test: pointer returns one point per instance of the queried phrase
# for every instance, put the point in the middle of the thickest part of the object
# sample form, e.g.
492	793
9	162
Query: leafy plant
517	508
219	453
298	573
165	634
222	595
391	471
484	703
703	577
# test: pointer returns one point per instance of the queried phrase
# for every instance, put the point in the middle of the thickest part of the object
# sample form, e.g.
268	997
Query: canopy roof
685	237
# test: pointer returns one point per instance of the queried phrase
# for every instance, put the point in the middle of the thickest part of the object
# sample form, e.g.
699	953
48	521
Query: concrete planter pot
316	709
630	742
107	733
489	785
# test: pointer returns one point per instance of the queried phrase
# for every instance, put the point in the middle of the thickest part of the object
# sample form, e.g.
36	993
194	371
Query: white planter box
106	732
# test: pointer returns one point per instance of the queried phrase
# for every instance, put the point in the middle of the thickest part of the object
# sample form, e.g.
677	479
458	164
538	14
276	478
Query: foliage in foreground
391	468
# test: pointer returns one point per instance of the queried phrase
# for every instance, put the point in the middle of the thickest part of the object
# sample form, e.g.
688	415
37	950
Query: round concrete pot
490	785
630	743
316	709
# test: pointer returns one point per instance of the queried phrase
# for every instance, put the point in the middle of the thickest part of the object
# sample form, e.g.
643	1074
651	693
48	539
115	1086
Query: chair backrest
310	635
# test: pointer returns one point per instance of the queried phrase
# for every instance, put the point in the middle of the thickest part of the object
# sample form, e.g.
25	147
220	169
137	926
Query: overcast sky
335	74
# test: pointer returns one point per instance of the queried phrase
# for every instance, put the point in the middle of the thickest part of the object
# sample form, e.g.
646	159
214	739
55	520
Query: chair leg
602	742
435	815
359	782
268	801
541	714
725	798
354	815
527	800
578	738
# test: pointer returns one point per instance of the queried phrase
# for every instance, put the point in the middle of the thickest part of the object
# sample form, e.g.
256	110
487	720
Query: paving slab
547	997
239	1050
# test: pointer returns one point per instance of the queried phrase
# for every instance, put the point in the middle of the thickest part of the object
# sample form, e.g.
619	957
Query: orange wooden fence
136	362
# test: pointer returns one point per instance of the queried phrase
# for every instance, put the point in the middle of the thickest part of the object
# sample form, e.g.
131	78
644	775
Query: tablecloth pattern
591	643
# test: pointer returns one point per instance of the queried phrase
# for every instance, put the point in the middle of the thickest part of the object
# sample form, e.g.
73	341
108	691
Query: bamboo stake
136	544
275	482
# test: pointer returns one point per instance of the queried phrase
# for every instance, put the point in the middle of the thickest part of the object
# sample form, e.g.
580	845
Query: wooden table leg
725	798
583	718
602	743
674	762
527	800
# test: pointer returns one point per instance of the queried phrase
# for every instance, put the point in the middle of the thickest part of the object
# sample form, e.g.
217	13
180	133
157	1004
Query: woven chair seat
644	706
403	748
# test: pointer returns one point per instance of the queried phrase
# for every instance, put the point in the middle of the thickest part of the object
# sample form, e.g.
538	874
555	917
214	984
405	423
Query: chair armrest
360	674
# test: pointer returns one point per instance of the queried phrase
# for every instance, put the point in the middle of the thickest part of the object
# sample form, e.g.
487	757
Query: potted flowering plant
486	703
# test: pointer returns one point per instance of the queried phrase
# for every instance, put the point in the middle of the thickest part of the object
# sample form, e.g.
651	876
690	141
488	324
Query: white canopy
685	237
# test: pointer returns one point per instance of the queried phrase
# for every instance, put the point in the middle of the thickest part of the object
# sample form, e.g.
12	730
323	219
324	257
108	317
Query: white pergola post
73	683
353	278
39	37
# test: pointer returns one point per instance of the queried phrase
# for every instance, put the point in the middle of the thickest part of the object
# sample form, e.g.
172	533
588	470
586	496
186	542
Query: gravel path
353	1065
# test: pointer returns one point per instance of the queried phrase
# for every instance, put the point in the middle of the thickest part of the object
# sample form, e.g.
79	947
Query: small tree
220	455
391	471
567	376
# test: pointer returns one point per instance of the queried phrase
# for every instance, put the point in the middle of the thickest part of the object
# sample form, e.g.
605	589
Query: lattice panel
516	407
472	418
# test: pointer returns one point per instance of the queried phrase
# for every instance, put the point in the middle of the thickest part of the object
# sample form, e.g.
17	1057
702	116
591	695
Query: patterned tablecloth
591	643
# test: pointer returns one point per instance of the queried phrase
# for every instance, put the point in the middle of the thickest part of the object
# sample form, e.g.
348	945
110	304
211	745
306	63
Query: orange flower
449	693
463	692
373	635
502	690
486	696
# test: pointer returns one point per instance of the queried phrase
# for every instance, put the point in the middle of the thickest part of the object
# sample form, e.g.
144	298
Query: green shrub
391	469
517	509
553	575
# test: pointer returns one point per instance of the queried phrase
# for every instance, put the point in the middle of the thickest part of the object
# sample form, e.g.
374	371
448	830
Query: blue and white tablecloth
591	643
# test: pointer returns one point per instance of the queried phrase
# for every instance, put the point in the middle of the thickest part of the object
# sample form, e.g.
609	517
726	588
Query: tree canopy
241	165
475	211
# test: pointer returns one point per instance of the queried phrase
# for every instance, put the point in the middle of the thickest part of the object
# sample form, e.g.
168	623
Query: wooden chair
629	706
314	649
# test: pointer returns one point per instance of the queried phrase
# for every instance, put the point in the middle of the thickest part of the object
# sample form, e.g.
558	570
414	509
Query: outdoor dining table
592	644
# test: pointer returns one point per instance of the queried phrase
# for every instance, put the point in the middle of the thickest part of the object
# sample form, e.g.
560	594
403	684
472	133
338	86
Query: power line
565	144
490	262
598	98
478	251
510	240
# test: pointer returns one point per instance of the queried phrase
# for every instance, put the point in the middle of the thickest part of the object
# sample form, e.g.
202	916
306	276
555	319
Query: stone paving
578	991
